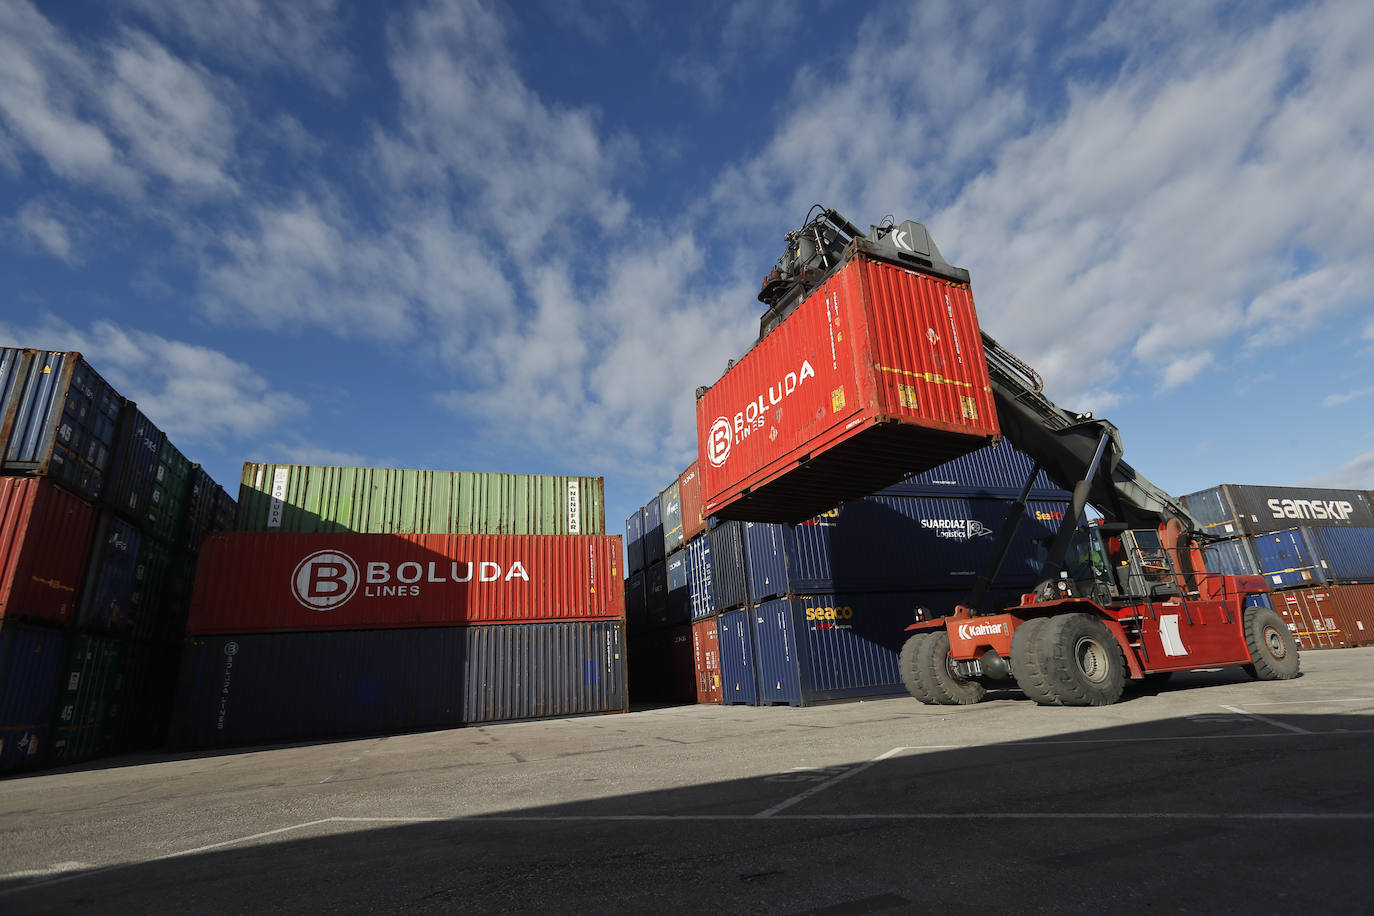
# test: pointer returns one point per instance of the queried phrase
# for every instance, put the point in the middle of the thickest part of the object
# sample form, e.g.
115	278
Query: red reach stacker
1123	597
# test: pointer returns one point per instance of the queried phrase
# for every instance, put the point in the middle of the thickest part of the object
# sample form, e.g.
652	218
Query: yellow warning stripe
932	377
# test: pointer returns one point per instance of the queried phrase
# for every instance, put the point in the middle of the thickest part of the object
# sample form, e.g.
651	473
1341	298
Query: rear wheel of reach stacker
1273	650
936	670
1083	664
908	663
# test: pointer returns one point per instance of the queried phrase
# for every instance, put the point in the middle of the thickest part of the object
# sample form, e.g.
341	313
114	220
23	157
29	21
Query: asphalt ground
1212	793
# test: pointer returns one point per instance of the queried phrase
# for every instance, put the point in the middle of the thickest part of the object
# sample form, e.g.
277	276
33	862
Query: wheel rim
1093	660
1274	641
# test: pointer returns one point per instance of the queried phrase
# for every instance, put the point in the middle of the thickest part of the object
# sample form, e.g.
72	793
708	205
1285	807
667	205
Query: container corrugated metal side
30	663
1353	608
152	581
661	667
201	505
706	661
636	608
1231	509
699	577
1346	554
87	690
60	421
734	632
729	575
250	582
652	515
993	469
679	597
670	511
108	586
1232	557
634	542
148	672
167	501
1287	560
656	594
1309	619
135	465
326	499
689	488
259	689
45	538
878	374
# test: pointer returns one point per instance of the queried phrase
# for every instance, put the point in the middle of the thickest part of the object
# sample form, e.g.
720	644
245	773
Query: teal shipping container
85	724
322	499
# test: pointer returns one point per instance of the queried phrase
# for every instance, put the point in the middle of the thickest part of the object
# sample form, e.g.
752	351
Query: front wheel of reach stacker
936	669
909	662
1082	663
1273	650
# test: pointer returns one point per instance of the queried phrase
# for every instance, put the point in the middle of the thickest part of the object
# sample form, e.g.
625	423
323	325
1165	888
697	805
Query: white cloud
193	393
1345	397
39	224
1356	474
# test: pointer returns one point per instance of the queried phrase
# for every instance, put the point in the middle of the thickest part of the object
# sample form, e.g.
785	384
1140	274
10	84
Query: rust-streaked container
45	537
236	690
877	375
689	489
1308	614
259	583
706	654
1354	610
306	498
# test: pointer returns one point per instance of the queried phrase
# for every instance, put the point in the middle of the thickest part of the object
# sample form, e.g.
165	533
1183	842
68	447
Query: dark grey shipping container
135	466
1230	510
634	542
242	690
111	572
652	516
670	511
729	576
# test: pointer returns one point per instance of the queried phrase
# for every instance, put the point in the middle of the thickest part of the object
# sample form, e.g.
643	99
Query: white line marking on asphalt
56	868
821	787
1274	722
1319	701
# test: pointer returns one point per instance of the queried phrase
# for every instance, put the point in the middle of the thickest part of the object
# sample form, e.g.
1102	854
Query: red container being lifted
278	582
878	374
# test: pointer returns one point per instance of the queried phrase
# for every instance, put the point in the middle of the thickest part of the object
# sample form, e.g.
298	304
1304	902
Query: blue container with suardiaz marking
1287	559
735	639
699	577
994	469
634	542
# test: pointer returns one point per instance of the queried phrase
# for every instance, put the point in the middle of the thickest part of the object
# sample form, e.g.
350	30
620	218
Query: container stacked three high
356	601
101	520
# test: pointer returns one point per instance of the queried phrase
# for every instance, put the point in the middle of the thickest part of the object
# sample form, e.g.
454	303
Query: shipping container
31	660
45	538
898	543
250	582
167	501
202	508
1229	510
1286	559
994	469
135	465
656	594
323	499
879	374
259	689
729	576
736	641
1346	555
689	489
634	542
699	577
108	585
678	607
59	420
706	661
1309	618
636	607
143	707
1232	557
661	666
652	516
150	610
670	510
87	696
1347	608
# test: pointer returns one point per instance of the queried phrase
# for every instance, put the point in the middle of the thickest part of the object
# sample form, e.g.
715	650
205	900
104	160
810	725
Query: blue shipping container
652	516
729	578
1346	555
110	574
134	468
635	603
1234	557
30	663
634	542
1287	560
237	690
992	469
699	577
59	419
734	637
679	600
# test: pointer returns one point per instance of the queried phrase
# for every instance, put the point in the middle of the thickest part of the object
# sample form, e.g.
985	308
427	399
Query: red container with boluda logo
261	583
877	375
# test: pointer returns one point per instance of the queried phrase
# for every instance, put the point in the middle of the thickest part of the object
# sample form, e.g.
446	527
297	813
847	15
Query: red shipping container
877	375
1352	607
689	491
276	582
706	653
45	536
1307	612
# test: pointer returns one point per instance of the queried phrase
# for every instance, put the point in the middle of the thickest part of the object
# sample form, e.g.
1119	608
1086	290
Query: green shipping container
84	727
167	505
306	498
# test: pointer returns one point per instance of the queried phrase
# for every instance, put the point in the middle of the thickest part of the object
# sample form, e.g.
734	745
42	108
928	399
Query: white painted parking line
821	787
1265	719
1315	701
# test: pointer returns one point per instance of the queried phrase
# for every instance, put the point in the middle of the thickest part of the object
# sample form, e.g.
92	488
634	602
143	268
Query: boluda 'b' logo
725	433
325	580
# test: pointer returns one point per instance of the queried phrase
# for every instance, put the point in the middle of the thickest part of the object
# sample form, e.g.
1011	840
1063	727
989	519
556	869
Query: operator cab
1113	564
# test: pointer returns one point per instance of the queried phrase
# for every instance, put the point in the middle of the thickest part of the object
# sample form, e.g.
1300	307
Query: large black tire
1273	650
909	664
1027	663
1083	664
945	687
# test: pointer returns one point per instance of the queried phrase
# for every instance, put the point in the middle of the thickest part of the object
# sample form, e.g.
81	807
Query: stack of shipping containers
101	518
817	611
354	601
1315	547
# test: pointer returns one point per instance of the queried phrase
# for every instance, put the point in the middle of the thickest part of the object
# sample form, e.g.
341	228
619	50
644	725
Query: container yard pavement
1210	793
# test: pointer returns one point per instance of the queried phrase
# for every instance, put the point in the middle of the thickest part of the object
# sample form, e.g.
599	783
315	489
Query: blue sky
517	237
